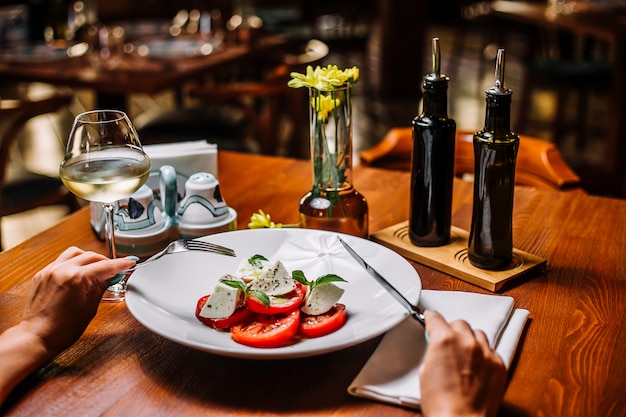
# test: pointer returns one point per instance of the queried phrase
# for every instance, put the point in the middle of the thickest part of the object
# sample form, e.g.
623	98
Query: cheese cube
248	271
321	299
223	301
275	280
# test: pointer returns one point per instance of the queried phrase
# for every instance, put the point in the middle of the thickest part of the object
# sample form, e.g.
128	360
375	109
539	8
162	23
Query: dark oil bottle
495	154
432	162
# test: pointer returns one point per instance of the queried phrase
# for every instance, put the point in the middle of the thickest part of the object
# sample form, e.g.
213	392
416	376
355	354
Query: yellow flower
330	92
261	220
352	74
324	78
324	105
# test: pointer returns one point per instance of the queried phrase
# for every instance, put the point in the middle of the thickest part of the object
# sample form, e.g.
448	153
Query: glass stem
110	229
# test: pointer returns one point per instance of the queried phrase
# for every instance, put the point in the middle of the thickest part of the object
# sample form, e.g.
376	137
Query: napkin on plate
187	158
391	373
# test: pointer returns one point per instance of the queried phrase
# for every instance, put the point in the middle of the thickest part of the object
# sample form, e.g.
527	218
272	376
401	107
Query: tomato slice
323	324
265	331
278	305
240	315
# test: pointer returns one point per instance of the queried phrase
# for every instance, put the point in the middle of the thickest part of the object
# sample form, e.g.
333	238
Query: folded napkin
391	373
187	158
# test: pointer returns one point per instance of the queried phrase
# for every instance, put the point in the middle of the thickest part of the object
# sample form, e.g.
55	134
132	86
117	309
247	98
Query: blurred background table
134	74
571	360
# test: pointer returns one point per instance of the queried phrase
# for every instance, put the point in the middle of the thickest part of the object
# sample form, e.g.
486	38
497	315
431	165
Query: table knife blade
414	311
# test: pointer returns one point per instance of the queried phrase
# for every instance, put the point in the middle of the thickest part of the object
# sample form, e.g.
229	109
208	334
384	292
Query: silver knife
414	311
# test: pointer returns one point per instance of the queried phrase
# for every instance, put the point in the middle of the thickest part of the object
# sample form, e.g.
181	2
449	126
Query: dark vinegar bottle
432	162
495	154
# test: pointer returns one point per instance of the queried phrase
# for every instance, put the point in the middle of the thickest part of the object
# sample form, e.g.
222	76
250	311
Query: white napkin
391	373
187	158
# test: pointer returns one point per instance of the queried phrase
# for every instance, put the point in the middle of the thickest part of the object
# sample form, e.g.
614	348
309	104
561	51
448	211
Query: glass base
349	214
115	293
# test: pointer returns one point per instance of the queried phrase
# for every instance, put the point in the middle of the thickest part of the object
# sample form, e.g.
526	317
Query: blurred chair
475	36
539	163
266	111
570	66
29	190
573	67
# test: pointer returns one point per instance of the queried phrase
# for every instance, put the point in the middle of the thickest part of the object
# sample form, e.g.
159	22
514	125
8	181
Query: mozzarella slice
223	301
321	299
248	271
275	280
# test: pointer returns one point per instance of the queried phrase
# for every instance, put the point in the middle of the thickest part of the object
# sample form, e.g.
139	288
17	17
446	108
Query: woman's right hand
460	375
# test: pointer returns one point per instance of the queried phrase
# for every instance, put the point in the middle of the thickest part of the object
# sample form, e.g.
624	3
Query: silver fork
183	245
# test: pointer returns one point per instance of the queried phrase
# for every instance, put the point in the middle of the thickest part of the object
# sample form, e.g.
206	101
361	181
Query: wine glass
104	162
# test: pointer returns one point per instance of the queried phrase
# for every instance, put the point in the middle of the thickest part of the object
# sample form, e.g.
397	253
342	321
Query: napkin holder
452	258
186	158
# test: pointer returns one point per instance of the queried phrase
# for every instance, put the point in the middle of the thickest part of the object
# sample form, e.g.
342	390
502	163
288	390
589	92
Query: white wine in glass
104	162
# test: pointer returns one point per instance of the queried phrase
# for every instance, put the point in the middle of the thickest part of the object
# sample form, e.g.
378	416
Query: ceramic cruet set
168	207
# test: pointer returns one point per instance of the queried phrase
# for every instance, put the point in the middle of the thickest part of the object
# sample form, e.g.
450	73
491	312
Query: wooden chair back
539	163
29	190
270	103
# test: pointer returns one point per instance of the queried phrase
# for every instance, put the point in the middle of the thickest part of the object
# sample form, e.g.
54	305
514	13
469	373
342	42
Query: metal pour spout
436	58
500	71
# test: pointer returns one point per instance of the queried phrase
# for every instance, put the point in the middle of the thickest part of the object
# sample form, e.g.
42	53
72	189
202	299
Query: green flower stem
331	170
330	98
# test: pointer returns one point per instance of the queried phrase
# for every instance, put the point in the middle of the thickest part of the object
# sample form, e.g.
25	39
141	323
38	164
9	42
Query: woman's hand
64	298
461	375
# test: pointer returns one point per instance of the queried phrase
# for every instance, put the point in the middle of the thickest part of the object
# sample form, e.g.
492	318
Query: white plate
163	295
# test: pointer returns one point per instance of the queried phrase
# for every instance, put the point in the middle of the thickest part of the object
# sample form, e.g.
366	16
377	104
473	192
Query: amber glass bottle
495	153
432	162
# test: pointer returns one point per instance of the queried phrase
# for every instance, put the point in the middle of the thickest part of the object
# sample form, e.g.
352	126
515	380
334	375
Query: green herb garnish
324	279
256	260
240	285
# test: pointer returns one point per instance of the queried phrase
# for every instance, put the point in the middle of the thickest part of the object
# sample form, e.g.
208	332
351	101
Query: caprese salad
264	306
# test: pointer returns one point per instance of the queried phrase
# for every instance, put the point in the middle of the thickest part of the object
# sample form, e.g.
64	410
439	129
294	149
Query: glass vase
333	203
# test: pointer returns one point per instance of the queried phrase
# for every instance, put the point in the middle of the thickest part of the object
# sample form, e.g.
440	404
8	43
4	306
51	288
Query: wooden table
609	26
571	361
134	74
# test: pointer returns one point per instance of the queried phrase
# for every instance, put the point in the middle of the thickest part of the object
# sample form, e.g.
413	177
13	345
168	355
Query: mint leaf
262	297
255	260
324	279
240	285
329	278
299	276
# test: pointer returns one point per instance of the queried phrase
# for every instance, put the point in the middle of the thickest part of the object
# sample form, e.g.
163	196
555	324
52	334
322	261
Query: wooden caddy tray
452	258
